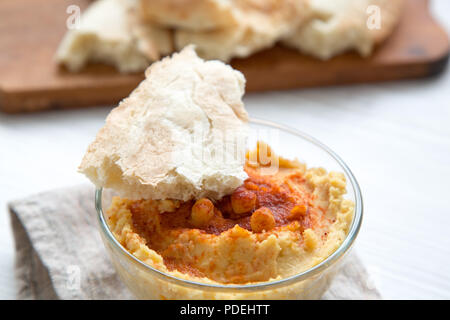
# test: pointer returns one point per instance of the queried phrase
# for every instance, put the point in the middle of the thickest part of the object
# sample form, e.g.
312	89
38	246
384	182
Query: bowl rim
326	263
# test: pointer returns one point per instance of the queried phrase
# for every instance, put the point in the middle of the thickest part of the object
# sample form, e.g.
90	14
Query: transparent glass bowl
146	282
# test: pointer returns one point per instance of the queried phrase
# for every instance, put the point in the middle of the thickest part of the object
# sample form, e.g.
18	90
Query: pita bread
341	25
152	40
257	25
179	135
190	14
106	35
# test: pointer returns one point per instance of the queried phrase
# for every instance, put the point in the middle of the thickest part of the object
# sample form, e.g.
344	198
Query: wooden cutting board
30	32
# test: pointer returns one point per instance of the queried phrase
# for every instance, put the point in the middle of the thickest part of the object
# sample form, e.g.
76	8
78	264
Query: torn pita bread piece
342	25
181	134
190	14
152	40
257	25
109	33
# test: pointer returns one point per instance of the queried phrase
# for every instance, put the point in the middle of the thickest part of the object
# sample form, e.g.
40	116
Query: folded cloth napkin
60	255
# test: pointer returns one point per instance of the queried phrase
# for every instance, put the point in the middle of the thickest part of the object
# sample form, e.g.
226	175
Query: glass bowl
146	282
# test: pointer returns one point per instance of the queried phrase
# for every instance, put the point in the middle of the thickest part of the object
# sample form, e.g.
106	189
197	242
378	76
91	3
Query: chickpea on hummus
271	227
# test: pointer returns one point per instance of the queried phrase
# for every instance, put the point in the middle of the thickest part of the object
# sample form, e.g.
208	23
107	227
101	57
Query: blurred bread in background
130	34
154	41
256	25
341	25
197	15
109	32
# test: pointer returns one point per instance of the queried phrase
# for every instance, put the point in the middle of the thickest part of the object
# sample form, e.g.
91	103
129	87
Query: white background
394	136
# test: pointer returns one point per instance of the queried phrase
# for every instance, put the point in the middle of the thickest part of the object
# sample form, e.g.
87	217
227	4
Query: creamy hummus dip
271	227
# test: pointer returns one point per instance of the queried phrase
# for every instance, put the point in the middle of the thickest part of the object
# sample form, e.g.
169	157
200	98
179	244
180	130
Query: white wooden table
394	136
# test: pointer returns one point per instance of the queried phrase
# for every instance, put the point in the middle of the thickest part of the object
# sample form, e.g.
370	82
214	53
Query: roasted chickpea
202	212
243	200
262	220
251	186
297	212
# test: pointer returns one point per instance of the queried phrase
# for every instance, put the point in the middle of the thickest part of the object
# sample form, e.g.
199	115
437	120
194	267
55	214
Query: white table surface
394	136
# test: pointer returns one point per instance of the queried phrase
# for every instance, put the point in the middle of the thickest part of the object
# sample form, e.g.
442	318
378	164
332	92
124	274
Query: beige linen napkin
60	255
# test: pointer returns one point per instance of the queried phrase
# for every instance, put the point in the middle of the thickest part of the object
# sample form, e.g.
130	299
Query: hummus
271	227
